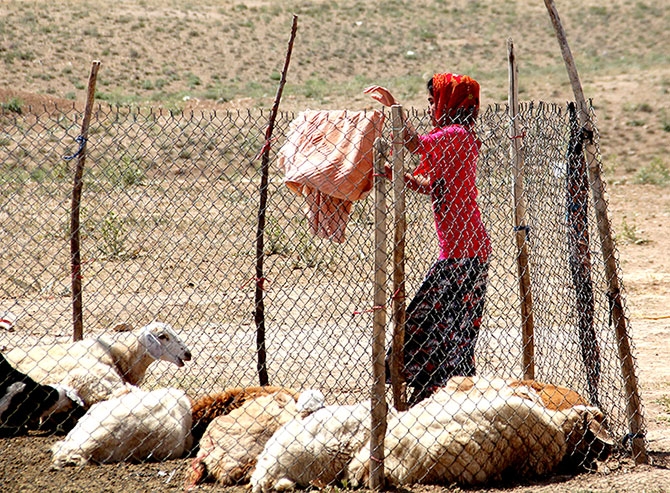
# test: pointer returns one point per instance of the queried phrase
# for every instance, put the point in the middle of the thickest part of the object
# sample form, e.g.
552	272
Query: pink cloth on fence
328	159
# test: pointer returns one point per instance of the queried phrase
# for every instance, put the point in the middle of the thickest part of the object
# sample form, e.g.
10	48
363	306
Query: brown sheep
232	428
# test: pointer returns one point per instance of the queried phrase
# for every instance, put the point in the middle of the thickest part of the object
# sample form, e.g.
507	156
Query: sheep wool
26	404
232	442
477	430
248	416
137	426
312	451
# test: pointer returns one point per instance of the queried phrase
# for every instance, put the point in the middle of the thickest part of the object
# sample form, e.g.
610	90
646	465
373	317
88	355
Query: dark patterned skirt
442	325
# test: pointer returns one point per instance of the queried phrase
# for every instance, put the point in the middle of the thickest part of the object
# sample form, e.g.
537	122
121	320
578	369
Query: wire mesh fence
169	219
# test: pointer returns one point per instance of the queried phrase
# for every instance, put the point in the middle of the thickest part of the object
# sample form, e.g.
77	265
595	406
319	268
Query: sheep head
587	437
64	414
310	401
162	343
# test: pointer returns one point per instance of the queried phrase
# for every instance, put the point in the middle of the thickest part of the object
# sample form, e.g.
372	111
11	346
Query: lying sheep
473	431
103	367
312	451
552	396
477	430
210	406
136	426
26	404
233	440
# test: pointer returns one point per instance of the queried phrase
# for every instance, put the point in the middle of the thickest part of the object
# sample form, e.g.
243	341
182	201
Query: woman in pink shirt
444	317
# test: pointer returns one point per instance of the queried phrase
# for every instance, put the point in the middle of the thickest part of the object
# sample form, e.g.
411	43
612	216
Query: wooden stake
75	210
259	311
378	416
400	225
617	311
517	153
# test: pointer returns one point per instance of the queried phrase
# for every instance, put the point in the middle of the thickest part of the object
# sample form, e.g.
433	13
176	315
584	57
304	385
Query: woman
444	317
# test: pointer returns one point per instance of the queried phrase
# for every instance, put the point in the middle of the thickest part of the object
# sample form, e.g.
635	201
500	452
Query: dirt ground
632	104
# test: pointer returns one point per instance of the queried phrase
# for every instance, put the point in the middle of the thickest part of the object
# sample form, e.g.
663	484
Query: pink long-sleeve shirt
449	160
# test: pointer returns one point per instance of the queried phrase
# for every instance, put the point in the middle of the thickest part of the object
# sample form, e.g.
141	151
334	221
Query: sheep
552	396
314	450
26	404
477	430
473	431
208	407
232	441
136	426
104	367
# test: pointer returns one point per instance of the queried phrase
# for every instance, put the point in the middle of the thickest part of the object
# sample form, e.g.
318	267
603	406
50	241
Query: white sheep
478	432
103	367
136	426
312	451
473	431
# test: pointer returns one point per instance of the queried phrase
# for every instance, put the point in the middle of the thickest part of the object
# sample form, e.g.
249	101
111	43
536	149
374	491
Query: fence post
259	307
75	243
398	301
617	311
378	398
520	228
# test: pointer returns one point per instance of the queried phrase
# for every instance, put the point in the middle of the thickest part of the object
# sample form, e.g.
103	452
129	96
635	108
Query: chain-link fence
169	220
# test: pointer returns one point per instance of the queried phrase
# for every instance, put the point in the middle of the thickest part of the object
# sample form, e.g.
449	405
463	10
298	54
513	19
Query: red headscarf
454	94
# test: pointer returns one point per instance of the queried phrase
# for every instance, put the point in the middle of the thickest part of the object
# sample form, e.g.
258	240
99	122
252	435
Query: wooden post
577	198
75	212
398	302
378	398
617	311
520	227
259	311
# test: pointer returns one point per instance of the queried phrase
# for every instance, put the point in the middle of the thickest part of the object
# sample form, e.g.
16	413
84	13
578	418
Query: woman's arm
418	183
384	96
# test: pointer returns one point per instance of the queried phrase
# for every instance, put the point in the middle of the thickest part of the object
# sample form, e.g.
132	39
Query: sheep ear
152	345
600	432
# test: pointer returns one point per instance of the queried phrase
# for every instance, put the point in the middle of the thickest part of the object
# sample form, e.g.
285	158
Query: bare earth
52	43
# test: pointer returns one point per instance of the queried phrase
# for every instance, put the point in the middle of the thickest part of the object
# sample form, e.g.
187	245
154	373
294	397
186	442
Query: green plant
129	172
665	122
630	234
276	240
14	105
655	173
113	236
664	402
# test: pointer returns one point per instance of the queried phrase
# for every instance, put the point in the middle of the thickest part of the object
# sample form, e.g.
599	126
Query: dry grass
161	53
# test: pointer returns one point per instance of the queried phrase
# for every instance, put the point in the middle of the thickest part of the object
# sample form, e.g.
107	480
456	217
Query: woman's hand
381	94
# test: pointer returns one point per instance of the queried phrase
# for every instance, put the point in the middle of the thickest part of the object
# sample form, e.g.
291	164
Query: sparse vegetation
112	233
14	105
185	55
630	234
654	173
